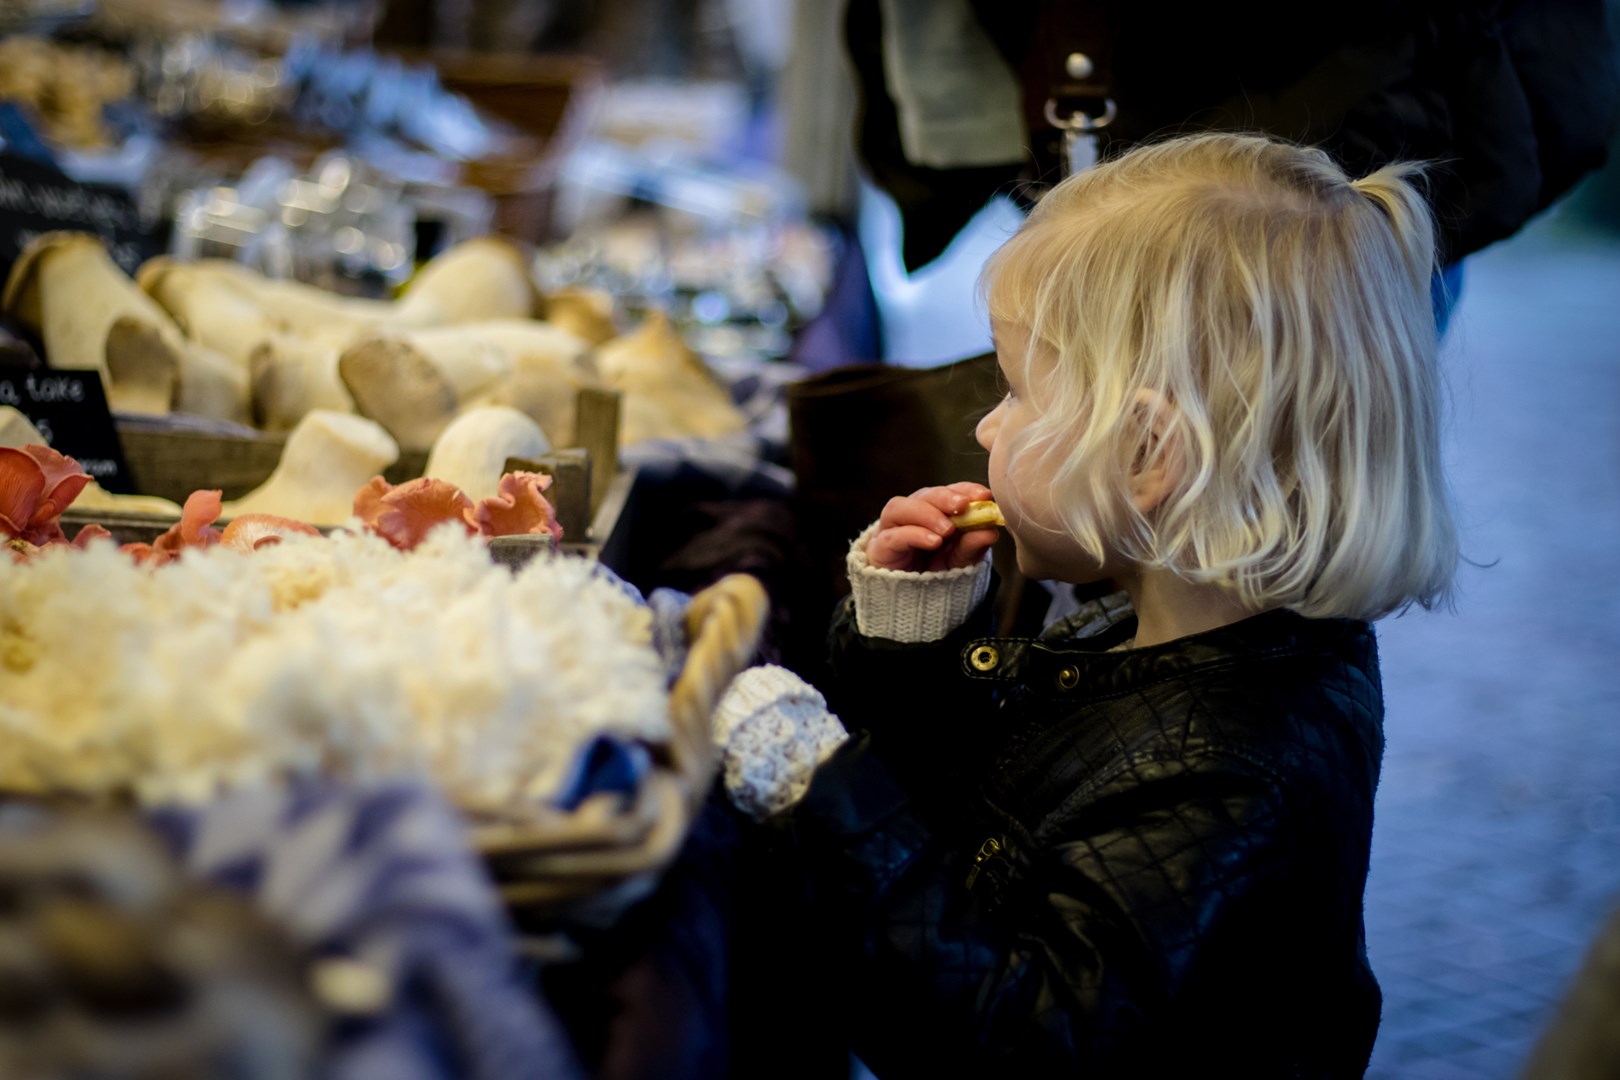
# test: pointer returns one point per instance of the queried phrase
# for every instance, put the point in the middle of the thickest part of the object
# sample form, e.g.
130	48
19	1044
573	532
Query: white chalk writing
98	467
42	389
67	204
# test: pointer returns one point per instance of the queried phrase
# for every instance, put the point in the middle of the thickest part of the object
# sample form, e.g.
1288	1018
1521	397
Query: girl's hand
915	531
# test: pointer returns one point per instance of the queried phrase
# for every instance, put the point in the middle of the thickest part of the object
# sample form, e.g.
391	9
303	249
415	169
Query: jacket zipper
988	850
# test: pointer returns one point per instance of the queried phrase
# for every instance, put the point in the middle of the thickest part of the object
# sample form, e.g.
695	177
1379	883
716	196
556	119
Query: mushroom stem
65	287
213	385
293	376
668	392
328	457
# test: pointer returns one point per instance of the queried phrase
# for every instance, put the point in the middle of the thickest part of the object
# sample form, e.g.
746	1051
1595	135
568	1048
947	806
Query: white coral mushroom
334	654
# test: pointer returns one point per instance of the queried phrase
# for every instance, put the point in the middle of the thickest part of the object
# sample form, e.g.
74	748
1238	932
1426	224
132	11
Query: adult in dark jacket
1512	100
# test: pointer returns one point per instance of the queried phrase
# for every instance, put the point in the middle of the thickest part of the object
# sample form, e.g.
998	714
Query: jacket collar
1088	667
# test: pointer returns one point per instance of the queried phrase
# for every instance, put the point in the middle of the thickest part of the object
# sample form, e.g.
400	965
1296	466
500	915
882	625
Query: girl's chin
1035	568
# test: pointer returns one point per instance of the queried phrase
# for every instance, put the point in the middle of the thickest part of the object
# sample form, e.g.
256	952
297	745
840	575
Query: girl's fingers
915	530
897	548
974	492
971	546
917	510
953	498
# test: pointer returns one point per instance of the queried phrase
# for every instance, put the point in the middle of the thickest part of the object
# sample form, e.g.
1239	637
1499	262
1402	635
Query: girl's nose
986	431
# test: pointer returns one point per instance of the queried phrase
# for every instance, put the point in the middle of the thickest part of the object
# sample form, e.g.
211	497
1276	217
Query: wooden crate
172	464
603	536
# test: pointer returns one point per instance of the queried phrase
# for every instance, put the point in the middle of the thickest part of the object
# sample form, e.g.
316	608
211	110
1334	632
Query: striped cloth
379	875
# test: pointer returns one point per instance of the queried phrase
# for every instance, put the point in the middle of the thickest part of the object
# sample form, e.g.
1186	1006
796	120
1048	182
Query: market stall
343	393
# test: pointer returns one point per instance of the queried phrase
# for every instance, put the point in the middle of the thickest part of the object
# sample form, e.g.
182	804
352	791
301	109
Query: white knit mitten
773	729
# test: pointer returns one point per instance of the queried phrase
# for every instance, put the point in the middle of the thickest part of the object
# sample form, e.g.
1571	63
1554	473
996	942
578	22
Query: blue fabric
848	329
1445	289
19	139
669	629
603	573
380	872
604	764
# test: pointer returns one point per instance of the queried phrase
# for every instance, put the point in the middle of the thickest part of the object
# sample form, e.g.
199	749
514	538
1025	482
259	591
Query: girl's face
1023	482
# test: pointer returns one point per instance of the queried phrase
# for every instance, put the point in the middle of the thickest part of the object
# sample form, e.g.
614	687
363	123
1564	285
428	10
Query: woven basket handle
723	624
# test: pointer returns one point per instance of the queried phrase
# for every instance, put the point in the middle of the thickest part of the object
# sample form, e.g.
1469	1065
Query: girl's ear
1159	462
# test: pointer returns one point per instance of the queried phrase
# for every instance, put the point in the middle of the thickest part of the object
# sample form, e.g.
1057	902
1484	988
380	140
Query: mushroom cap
395	385
150	274
472	450
20	300
587	313
450	264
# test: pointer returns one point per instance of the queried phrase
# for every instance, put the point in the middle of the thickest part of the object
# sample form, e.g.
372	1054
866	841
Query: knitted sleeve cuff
898	605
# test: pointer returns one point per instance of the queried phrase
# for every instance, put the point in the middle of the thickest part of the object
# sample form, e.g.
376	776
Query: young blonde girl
1138	846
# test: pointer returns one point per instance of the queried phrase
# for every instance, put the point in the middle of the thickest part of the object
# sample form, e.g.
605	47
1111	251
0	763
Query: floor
1496	853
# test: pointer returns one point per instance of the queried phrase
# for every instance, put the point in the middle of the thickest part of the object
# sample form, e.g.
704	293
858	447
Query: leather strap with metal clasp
1069	82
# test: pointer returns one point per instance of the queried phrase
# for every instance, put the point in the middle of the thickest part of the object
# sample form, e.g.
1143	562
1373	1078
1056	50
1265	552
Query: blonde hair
1283	311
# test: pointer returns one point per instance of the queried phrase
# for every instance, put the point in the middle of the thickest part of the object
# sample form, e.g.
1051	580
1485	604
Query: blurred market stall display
68	88
344	226
316	195
40	16
727	251
462	336
341	167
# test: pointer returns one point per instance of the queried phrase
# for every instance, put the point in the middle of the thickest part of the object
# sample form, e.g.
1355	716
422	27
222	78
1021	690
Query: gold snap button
984	658
1069	678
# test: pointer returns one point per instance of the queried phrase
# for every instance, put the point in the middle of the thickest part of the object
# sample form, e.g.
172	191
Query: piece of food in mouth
979	515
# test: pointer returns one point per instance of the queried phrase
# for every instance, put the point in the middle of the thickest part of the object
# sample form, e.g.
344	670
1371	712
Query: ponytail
1408	214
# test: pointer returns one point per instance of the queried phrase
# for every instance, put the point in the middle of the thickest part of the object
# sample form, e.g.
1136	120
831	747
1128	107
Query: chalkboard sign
36	198
70	410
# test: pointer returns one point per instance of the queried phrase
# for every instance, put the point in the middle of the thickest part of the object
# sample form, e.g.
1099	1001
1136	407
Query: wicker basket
590	864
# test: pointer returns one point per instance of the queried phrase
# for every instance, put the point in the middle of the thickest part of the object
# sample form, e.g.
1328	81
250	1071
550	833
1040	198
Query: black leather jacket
1040	855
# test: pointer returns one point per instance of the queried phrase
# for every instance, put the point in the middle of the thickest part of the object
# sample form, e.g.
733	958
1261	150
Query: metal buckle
1078	121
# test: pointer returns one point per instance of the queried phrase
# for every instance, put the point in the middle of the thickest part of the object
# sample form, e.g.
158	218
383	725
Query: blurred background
1496	847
